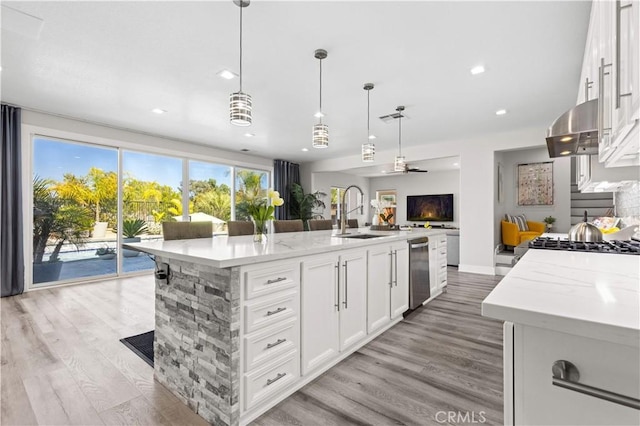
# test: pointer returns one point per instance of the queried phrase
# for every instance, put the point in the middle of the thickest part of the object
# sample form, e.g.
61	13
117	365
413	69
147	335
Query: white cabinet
320	316
593	176
437	264
353	297
388	284
400	283
537	401
378	289
334	305
270	330
611	63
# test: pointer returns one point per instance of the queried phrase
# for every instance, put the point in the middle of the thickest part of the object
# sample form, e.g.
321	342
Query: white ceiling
112	62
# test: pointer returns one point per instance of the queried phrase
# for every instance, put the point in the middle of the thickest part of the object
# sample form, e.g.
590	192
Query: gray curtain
284	174
11	244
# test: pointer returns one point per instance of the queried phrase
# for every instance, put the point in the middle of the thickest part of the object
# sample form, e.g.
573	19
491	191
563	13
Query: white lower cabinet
400	273
388	284
437	264
608	366
334	305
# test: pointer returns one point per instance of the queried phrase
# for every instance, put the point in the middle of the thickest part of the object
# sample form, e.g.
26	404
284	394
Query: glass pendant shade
399	164
368	152
320	136
240	109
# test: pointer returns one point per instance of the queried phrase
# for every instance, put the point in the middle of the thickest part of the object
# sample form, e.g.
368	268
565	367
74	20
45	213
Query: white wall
441	182
499	207
324	181
561	208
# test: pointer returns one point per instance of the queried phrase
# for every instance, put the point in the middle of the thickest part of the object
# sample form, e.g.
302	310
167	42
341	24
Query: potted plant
304	206
131	229
106	253
549	220
56	221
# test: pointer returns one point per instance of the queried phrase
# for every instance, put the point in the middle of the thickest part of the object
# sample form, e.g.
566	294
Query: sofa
512	236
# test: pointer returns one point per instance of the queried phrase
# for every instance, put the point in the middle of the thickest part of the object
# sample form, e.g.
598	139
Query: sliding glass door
75	208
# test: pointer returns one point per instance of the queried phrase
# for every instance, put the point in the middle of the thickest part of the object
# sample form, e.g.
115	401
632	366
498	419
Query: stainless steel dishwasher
419	286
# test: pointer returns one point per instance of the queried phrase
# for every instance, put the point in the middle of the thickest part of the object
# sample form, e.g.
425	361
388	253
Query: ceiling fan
400	165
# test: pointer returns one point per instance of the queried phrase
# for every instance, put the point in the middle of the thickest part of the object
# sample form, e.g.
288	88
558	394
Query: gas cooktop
615	247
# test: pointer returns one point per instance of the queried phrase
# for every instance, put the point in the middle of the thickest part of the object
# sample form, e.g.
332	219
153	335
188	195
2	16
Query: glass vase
259	230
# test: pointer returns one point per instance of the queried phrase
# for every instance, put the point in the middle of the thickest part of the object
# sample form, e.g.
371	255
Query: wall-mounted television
437	208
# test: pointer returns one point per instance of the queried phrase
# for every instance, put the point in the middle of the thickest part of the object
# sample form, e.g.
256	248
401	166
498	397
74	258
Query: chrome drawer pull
277	311
277	280
566	375
276	343
278	377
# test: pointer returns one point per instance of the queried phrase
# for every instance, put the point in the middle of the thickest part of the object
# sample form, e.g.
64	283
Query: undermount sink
359	236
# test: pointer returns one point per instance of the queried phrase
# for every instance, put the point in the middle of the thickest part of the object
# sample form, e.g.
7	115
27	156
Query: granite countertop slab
593	295
222	251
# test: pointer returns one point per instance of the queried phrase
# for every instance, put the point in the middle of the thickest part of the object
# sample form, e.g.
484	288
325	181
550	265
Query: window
210	194
75	209
249	184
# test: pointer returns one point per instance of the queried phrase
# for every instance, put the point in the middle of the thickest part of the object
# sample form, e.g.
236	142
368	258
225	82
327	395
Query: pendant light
320	131
399	165
368	149
240	102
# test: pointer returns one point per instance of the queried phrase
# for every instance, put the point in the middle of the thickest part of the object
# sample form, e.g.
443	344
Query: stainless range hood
575	132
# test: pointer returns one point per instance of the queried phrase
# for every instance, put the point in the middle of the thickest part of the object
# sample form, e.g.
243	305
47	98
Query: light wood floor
62	363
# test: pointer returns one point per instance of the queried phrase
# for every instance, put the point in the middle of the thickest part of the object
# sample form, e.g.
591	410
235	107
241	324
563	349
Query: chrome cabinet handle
587	86
337	305
275	379
346	287
277	311
276	343
391	270
619	8
566	375
601	74
277	280
395	263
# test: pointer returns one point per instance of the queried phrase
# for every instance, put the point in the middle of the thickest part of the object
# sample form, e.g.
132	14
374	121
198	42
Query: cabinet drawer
442	241
267	382
268	311
268	344
264	281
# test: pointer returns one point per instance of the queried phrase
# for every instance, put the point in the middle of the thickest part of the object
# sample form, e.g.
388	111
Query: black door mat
142	345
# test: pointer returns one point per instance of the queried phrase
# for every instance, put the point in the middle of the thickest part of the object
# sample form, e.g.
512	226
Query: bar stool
288	226
239	227
320	224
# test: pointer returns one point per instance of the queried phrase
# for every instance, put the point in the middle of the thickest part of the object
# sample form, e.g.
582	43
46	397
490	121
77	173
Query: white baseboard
475	269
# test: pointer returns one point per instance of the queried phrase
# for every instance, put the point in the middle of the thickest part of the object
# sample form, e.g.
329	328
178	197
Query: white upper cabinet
612	61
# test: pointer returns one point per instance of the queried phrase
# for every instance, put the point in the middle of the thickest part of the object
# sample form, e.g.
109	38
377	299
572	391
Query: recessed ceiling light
226	74
566	139
372	136
318	114
249	135
158	111
478	69
565	153
501	112
456	164
383	171
305	149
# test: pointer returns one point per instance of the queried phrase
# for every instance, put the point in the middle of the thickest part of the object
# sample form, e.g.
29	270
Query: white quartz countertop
222	251
587	294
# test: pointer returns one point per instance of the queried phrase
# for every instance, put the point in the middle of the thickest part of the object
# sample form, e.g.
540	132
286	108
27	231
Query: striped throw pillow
520	220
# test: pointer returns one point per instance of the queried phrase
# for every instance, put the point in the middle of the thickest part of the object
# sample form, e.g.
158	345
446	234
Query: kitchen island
582	309
241	325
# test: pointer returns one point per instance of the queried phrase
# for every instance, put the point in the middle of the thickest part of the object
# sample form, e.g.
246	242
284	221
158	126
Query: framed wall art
535	184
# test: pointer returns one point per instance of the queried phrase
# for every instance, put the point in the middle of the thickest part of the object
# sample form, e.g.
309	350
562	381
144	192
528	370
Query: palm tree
57	219
96	189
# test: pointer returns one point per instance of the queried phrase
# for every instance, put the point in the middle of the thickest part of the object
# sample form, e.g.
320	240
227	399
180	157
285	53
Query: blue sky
52	159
